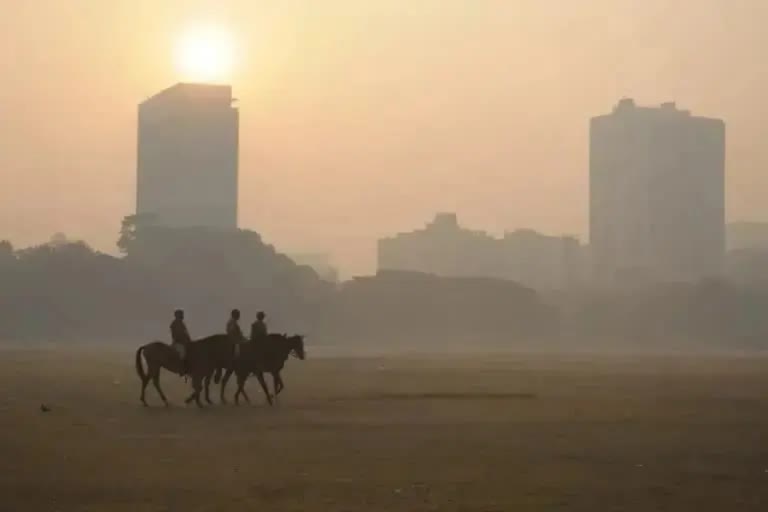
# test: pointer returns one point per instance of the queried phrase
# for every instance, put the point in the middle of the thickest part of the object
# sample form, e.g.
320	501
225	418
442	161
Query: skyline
340	118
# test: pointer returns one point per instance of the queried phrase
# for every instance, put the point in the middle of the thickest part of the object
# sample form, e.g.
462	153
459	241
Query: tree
7	255
130	231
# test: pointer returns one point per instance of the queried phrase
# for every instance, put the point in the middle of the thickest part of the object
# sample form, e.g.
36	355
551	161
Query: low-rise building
445	248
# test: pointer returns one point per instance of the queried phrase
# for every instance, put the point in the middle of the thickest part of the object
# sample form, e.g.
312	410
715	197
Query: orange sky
360	118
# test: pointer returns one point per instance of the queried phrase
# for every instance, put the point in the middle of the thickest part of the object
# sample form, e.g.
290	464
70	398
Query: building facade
657	194
187	166
444	248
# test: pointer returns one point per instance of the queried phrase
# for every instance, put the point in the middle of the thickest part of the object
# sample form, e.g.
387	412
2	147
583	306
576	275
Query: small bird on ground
44	408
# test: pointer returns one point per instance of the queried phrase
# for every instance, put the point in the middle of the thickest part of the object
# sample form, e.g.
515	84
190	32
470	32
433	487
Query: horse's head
296	344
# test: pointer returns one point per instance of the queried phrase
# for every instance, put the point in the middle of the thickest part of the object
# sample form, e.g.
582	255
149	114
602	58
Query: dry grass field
452	433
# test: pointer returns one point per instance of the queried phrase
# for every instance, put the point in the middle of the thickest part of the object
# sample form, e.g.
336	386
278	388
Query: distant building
747	258
446	249
320	263
657	199
541	261
188	157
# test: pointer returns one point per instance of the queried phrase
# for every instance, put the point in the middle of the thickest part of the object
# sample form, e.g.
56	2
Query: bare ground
457	433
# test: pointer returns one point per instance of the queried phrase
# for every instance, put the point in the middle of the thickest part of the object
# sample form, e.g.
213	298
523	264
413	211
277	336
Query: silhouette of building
541	261
188	157
747	257
444	248
320	263
656	194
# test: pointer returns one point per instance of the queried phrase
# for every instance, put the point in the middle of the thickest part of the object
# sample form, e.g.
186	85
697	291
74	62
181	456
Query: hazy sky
361	118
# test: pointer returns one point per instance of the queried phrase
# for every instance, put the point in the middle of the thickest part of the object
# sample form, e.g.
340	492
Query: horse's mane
280	345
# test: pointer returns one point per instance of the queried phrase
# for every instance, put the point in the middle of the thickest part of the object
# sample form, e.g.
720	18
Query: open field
451	433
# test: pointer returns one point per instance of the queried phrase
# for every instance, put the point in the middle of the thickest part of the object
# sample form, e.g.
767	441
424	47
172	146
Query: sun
205	54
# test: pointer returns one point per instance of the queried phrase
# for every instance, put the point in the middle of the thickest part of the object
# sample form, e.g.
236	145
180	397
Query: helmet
260	315
179	313
235	313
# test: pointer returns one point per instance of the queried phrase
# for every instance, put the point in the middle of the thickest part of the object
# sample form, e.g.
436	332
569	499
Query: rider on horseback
233	327
180	337
259	328
235	334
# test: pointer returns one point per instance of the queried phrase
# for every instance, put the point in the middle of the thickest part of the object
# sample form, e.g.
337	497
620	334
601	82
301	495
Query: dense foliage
64	290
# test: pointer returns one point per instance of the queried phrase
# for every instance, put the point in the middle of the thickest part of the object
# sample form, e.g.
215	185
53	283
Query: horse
203	358
158	355
260	357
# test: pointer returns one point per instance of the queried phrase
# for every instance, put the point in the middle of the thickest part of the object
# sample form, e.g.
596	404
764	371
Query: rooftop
197	92
627	109
628	104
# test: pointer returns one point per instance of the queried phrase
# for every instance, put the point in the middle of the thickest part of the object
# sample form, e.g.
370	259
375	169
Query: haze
363	118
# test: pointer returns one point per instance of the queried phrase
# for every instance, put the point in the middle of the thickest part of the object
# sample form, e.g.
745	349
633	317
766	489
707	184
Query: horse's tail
139	366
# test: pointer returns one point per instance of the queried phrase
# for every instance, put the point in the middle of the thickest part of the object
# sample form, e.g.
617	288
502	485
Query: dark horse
203	358
267	356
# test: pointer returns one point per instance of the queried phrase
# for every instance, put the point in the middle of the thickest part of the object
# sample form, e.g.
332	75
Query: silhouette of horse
203	357
267	356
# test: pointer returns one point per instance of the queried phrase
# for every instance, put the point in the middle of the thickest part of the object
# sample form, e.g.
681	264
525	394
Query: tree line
66	291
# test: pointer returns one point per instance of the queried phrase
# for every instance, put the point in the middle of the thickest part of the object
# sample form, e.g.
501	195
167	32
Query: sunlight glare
205	54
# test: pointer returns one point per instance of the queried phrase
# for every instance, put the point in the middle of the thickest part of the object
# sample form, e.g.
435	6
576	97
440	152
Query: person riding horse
180	337
233	327
259	328
267	356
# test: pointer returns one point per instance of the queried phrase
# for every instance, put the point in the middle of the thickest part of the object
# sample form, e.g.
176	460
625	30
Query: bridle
294	352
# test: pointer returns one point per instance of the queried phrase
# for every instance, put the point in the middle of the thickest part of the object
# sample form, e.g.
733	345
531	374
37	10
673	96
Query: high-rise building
188	157
657	198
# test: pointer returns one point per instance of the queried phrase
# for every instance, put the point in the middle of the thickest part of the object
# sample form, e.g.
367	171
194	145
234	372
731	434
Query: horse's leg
193	396
279	386
241	384
224	381
260	376
144	382
145	378
207	389
276	386
245	393
197	384
240	387
156	382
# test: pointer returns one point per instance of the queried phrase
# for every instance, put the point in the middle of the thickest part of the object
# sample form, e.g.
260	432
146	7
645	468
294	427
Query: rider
233	327
180	336
259	328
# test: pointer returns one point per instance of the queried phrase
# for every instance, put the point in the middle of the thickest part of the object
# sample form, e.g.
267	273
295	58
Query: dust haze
383	255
